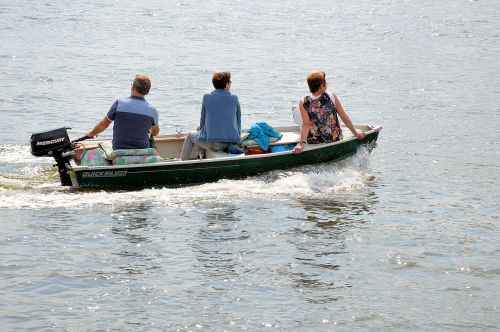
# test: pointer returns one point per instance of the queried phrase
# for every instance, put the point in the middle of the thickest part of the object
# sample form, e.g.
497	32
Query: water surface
404	238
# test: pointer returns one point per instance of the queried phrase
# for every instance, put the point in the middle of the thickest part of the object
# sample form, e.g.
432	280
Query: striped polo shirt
133	118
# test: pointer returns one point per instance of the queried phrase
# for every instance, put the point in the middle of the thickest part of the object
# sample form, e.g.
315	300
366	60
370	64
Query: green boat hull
167	174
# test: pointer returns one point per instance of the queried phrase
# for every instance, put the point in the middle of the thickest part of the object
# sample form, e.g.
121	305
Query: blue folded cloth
261	133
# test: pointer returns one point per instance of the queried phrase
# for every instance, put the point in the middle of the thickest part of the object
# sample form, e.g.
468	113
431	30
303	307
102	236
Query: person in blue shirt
220	121
135	119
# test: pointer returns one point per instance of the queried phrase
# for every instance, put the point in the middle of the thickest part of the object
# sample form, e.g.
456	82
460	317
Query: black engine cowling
44	144
54	143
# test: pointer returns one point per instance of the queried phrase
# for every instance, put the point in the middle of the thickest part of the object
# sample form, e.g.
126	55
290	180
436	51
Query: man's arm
202	117
155	130
100	127
238	115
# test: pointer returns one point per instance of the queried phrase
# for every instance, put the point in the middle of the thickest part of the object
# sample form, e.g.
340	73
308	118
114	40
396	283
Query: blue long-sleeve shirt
220	118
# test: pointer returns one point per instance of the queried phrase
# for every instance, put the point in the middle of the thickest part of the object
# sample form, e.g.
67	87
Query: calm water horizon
402	238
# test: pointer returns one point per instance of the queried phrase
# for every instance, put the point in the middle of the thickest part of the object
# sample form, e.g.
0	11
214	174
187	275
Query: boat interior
169	146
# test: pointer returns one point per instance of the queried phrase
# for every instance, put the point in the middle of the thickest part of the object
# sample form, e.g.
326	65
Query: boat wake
27	182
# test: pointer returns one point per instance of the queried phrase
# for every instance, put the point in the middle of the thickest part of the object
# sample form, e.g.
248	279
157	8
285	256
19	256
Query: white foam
39	188
15	154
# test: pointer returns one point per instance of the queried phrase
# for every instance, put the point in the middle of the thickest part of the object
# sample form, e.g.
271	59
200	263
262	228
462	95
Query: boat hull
165	174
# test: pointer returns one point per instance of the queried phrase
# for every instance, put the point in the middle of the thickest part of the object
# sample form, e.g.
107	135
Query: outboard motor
54	143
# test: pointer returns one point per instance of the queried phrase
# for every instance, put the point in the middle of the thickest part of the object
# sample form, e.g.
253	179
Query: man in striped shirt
134	118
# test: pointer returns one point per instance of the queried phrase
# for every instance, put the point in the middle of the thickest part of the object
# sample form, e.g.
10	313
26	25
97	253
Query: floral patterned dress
325	126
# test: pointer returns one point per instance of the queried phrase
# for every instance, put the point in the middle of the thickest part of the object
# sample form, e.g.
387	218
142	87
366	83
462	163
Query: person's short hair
142	84
220	79
315	80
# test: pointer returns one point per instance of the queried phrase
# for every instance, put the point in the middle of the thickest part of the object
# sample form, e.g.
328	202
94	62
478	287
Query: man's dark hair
220	79
142	84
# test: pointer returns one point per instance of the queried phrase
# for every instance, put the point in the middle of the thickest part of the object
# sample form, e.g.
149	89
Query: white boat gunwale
173	137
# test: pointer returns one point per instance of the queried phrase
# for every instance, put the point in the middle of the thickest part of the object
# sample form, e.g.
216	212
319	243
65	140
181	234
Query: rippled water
404	238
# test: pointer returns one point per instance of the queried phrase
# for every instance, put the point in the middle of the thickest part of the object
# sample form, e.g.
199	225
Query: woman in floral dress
319	112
